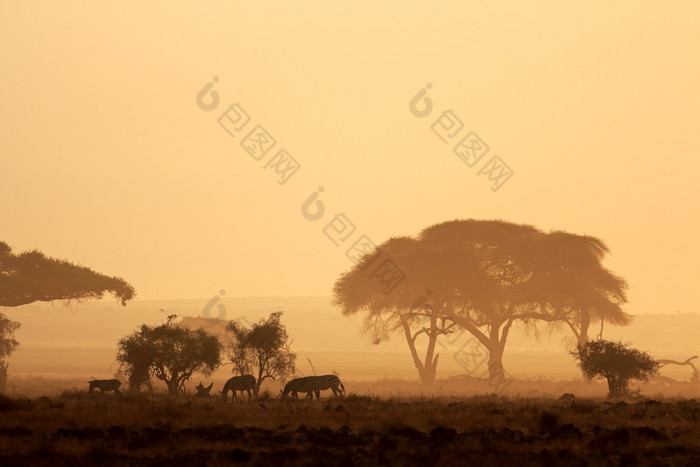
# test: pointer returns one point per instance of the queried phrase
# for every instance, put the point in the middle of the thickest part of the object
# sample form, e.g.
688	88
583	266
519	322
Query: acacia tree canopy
572	284
31	276
483	276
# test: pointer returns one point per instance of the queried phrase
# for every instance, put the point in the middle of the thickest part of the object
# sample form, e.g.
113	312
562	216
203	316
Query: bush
8	404
618	363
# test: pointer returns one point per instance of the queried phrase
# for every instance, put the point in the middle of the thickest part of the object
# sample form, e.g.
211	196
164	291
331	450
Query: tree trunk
3	376
258	381
430	362
496	345
617	387
612	388
585	324
172	387
495	362
427	369
582	336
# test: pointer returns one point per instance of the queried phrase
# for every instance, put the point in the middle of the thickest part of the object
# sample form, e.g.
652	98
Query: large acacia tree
483	276
32	276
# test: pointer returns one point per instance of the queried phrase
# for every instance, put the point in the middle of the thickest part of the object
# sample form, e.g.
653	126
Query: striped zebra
308	384
105	385
314	385
331	382
239	383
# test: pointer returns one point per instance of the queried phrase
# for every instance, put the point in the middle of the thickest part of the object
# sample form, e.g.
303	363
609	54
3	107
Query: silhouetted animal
330	382
239	383
202	391
567	397
309	385
105	385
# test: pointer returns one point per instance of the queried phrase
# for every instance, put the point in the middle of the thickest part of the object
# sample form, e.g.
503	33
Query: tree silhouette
262	349
483	276
7	346
7	336
170	353
31	276
618	363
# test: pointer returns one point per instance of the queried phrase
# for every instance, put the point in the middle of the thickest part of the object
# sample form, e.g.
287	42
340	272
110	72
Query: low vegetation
78	428
618	363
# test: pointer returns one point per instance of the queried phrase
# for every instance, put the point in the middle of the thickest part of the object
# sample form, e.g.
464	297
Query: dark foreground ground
82	429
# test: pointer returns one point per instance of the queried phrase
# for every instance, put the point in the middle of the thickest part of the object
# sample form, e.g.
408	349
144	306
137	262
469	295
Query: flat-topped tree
32	276
483	277
534	277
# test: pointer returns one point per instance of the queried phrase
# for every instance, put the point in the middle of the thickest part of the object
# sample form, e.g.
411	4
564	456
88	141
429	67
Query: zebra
105	385
331	382
308	384
314	385
239	383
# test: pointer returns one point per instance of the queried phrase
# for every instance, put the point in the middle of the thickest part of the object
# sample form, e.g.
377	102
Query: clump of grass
353	397
8	404
74	394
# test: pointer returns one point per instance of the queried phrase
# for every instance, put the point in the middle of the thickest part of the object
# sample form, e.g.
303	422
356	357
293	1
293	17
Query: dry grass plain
376	423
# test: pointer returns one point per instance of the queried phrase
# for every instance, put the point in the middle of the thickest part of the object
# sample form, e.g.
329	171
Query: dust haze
449	201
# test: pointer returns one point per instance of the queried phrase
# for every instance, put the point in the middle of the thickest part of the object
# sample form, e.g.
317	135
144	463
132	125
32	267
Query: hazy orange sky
106	159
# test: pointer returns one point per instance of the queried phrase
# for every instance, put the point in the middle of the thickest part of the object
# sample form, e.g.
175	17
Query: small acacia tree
263	349
7	336
170	353
7	346
618	363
